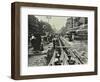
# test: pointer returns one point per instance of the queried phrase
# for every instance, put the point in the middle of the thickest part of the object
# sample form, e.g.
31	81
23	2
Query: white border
25	70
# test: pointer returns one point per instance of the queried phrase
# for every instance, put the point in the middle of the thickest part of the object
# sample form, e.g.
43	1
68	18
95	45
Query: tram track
72	53
67	55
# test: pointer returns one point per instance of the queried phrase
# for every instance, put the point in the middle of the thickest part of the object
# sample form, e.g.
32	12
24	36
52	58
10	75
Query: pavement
38	58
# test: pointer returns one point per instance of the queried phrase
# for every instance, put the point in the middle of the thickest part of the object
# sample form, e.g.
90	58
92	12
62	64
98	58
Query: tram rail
67	55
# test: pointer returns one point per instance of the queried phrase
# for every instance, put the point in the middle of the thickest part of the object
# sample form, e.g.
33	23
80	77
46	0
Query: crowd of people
37	41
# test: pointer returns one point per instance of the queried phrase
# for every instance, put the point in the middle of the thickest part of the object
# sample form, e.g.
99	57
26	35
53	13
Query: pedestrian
37	42
32	39
54	42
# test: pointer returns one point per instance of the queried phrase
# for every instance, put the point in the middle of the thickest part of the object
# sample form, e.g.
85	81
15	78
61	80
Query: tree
38	27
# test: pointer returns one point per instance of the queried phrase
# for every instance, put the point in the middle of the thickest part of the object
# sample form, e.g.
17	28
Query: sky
57	22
